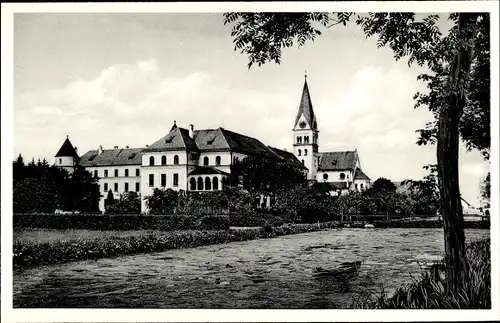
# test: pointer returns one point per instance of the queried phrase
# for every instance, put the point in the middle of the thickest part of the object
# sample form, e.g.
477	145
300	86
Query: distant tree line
42	188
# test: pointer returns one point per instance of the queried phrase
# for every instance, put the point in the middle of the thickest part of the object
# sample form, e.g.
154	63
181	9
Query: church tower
305	133
66	157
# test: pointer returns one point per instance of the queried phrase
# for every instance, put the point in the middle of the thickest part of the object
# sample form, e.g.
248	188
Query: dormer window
169	140
210	141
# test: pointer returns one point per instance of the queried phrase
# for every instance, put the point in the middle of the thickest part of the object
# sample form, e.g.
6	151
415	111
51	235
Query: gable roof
210	140
66	150
337	160
176	139
287	157
361	175
306	108
246	145
110	157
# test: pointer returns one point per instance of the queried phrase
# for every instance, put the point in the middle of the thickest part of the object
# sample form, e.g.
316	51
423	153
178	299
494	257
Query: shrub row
30	254
427	224
120	222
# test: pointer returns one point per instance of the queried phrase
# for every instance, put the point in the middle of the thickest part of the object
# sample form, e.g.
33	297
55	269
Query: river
267	273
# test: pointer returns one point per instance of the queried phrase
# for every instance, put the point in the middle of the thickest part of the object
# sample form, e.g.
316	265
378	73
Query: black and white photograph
246	157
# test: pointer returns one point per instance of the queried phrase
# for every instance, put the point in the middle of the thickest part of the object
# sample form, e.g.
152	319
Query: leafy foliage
163	201
383	184
39	187
486	189
129	203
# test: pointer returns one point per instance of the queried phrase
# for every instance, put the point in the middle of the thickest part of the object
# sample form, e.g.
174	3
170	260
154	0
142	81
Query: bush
431	292
214	222
105	222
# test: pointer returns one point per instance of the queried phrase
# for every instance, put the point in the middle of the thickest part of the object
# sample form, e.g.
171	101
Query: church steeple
306	107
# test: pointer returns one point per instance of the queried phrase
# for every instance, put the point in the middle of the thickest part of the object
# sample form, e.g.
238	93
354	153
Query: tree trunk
448	152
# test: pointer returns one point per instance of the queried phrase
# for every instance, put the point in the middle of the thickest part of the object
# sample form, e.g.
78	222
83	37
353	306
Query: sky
122	80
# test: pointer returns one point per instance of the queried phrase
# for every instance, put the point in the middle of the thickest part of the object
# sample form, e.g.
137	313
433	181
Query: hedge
118	222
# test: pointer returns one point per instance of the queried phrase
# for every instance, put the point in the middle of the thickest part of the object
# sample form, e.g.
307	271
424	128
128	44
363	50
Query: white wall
366	184
334	176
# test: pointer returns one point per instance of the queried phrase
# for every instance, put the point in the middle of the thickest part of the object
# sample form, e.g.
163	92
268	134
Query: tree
383	184
129	203
486	190
162	201
457	97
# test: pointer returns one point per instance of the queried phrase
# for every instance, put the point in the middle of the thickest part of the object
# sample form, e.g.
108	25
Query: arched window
305	152
163	160
200	184
215	183
192	184
325	176
205	161
342	176
356	186
300	152
217	160
208	184
60	161
151	161
176	160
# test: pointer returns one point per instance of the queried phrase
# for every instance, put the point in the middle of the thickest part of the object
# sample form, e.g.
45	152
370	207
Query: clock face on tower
302	124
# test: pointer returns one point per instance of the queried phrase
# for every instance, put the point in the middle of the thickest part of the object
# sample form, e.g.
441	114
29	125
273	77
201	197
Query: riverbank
37	247
431	292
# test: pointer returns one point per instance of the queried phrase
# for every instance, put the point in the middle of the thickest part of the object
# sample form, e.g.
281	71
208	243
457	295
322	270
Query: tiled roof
306	108
207	171
246	145
177	139
337	160
361	175
67	150
288	157
112	157
210	140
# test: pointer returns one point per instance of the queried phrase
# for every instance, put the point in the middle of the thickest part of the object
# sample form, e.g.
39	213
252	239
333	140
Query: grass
431	292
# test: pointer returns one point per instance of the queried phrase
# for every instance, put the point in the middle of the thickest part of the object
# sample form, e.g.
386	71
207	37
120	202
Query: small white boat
369	225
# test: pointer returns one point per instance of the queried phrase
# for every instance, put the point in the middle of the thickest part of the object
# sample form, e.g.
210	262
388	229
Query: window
356	186
208	184
205	161
116	187
176	160
192	184
151	161
361	185
126	172
200	184
151	180
305	152
105	187
325	176
163	180
306	139
176	179
126	187
96	173
217	160
60	161
116	172
299	139
300	152
163	160
342	176
215	183
105	173
137	187
137	172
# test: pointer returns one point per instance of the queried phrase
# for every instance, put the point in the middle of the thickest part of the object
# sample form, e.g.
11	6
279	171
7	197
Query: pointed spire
67	149
306	107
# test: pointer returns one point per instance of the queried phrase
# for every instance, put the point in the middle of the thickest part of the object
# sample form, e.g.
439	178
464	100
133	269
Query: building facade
200	160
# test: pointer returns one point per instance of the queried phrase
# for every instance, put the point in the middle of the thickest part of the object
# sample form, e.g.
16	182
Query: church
189	159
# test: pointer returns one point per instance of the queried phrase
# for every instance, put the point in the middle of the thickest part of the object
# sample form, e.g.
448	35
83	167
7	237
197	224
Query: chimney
191	131
115	147
100	150
76	150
